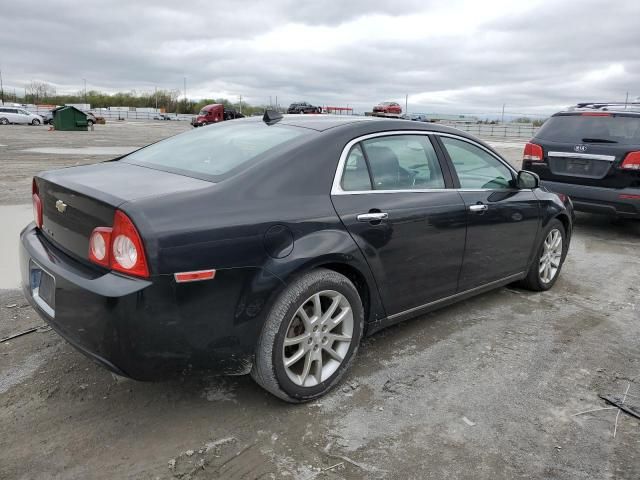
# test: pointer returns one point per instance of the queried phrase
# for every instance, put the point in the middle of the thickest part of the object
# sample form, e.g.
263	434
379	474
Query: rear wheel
310	337
545	269
35	122
4	121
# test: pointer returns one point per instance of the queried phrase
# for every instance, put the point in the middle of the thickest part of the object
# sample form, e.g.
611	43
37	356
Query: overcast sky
536	56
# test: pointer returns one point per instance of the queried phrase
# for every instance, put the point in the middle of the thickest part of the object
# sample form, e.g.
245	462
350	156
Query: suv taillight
532	153
37	204
119	248
631	161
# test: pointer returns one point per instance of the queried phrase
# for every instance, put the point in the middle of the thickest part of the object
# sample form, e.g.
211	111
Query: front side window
476	168
403	162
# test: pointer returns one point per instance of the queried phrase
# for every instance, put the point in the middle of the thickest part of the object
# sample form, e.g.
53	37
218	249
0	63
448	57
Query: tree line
39	93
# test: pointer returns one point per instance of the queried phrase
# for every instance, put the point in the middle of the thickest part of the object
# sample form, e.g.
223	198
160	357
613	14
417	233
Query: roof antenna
271	116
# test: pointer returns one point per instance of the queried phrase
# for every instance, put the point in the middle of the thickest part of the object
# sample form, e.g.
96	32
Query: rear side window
477	169
605	128
356	174
403	162
213	152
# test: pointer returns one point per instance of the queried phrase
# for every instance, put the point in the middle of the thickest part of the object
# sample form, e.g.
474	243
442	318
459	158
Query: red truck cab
214	113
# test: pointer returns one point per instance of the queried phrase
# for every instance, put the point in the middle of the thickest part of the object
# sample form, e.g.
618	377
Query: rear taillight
631	161
119	248
532	153
37	204
100	246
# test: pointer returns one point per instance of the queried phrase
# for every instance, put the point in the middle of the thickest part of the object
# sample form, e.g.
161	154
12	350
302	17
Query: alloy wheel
318	338
549	263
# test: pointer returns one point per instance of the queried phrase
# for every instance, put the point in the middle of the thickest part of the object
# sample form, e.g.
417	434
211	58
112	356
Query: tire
90	123
284	320
35	122
4	121
535	280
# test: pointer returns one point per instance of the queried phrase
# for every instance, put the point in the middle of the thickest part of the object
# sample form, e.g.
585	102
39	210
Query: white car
18	115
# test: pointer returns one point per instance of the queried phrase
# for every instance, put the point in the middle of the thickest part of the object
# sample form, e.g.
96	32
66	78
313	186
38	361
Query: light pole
85	90
503	105
240	104
2	90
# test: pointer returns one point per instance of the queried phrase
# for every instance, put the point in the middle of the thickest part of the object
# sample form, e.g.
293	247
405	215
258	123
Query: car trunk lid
76	200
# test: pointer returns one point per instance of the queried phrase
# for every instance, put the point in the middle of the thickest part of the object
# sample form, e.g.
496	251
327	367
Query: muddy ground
486	389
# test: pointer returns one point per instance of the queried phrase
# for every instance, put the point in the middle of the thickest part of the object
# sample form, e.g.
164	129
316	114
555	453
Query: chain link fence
505	130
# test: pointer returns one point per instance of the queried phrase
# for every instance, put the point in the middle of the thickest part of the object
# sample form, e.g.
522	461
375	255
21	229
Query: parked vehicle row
592	154
272	246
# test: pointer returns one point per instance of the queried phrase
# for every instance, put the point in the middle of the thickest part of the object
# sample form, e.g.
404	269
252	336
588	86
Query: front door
393	199
502	220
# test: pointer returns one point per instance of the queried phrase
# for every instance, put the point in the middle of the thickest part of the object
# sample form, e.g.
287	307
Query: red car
388	107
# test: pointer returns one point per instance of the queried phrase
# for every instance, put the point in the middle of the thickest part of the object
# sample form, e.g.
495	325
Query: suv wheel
545	269
310	337
35	122
4	121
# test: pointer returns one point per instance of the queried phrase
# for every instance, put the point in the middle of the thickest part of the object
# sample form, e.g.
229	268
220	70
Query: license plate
43	289
578	166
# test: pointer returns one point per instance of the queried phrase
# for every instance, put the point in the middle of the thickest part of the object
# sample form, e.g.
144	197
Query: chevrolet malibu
272	246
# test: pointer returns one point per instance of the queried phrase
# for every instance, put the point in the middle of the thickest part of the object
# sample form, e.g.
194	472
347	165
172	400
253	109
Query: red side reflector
629	197
631	161
195	276
595	114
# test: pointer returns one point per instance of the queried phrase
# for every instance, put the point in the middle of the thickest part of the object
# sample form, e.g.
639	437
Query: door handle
480	207
372	217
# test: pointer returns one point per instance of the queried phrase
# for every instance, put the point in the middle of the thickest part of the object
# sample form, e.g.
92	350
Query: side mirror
528	180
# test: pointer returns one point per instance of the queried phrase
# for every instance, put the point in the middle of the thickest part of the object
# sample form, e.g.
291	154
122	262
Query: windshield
203	112
612	128
213	152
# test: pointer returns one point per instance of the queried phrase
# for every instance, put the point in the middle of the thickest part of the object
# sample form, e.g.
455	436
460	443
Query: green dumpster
69	119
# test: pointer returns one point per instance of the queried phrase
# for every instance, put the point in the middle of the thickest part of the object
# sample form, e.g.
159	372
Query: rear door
502	220
391	193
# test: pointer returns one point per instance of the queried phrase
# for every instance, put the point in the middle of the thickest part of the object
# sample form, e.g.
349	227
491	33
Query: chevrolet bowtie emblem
61	206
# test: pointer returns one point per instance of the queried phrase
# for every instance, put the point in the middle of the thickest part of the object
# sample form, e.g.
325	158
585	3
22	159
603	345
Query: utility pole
276	102
626	100
156	99
85	90
503	105
1	90
270	104
240	104
406	103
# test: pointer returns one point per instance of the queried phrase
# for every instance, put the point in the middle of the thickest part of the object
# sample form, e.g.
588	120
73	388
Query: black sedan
271	246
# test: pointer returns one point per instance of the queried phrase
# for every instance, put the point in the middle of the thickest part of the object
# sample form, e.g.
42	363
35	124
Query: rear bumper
147	329
619	202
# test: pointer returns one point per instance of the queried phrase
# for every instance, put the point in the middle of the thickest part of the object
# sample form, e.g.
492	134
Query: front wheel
4	121
35	122
550	255
310	337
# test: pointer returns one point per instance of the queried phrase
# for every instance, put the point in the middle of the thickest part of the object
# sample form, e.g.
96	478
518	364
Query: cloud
458	56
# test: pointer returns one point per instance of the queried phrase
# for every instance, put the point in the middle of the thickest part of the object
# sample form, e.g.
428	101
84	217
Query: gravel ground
486	389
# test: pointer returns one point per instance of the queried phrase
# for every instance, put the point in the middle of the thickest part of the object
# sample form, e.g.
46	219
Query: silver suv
18	115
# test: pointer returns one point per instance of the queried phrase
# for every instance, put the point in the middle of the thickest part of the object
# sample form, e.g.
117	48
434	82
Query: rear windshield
214	152
591	129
